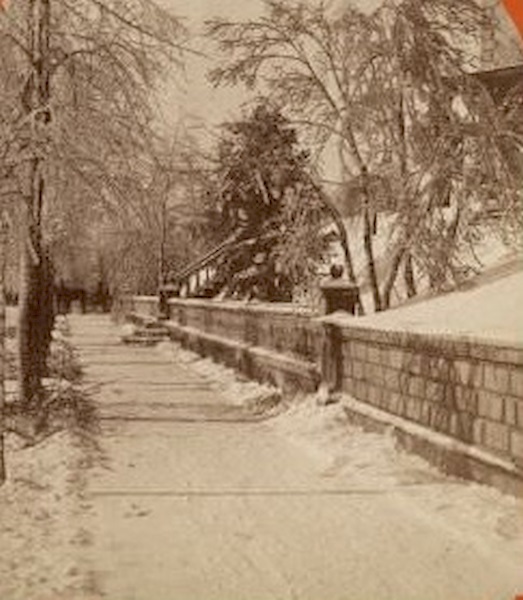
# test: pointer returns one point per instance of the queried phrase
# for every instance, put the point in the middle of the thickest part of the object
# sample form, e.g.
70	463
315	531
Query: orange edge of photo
515	10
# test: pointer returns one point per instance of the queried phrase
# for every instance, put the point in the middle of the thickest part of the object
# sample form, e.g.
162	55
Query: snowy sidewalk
201	500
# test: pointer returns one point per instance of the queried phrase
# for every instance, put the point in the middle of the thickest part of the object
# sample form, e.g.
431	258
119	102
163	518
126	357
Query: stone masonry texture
468	389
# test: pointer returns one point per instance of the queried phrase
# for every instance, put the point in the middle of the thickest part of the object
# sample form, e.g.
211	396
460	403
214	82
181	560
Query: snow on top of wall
489	309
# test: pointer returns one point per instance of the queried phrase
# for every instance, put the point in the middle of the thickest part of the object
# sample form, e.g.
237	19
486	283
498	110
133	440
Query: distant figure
61	298
66	295
102	297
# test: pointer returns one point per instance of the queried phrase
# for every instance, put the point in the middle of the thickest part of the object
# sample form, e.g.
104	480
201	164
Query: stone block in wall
394	402
454	424
417	386
516	382
413	409
385	356
514	412
496	354
440	368
519	414
395	358
466	399
362	391
386	400
358	369
376	373
373	354
440	419
491	405
347	350
368	371
391	378
434	391
464	426
425	413
469	373
347	368
413	363
478	432
496	436
497	378
516	446
359	350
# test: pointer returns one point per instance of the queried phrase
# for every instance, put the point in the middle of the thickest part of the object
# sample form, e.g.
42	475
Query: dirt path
199	501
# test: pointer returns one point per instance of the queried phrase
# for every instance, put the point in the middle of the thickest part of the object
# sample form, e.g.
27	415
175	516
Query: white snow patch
491	311
344	450
39	524
351	457
226	381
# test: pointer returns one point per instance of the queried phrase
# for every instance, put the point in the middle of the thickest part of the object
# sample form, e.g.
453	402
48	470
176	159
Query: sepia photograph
261	299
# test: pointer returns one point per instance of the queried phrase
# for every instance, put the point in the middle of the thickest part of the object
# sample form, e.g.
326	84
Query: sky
192	98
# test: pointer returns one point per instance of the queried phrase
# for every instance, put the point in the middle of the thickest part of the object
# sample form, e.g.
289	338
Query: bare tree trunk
403	253
29	382
163	238
408	270
367	221
33	299
408	274
367	241
3	261
391	279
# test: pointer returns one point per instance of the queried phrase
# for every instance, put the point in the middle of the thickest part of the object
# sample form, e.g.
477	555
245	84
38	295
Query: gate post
338	295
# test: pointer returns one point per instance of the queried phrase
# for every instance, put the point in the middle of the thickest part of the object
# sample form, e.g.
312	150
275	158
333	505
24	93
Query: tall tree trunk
408	270
33	339
403	253
29	377
367	240
408	275
367	220
3	262
391	279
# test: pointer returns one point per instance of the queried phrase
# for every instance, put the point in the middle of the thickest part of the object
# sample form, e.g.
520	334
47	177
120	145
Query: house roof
501	81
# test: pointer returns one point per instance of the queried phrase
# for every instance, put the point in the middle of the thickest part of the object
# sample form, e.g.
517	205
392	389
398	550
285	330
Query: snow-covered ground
40	533
357	459
301	504
238	389
372	460
368	460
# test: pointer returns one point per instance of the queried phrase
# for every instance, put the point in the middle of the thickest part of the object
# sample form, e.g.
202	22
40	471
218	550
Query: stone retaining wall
273	343
470	391
278	327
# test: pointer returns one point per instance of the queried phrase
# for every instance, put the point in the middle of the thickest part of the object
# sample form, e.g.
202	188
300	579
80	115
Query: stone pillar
338	295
